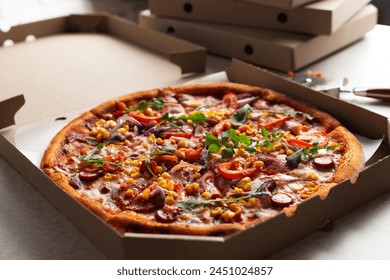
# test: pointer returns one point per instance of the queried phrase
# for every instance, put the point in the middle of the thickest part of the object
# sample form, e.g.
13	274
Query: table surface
31	228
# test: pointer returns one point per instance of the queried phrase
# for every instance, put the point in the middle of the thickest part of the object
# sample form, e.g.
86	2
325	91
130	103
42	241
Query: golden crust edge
352	161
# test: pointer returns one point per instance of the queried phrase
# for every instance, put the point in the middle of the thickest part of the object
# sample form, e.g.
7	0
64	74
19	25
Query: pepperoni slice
281	200
88	176
323	162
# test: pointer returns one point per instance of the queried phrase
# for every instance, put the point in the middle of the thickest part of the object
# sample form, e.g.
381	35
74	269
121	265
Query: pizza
209	159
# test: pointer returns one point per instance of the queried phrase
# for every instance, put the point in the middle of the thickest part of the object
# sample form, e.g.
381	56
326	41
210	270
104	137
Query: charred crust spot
218	233
163	231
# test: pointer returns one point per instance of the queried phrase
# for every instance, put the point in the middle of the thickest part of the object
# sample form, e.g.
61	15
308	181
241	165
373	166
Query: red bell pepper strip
144	120
190	155
297	142
160	158
276	122
169	134
225	170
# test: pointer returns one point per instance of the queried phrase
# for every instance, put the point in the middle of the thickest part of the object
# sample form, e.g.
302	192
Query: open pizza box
22	144
285	51
322	17
285	4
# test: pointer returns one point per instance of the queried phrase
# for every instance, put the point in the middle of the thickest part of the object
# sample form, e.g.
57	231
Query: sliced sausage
281	200
323	162
88	176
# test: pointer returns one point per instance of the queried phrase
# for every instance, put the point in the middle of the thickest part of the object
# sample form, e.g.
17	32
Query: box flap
37	29
190	57
75	62
370	124
8	109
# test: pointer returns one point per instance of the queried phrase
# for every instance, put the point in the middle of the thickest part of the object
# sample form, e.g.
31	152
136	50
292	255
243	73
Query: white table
33	229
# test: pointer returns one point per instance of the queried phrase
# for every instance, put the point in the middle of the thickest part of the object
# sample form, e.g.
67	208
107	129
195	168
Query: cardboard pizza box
112	50
23	143
279	50
285	4
323	17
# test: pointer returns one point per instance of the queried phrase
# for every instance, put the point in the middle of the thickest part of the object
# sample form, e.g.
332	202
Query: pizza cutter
377	93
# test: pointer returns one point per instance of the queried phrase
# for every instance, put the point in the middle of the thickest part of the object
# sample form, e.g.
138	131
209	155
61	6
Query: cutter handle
378	93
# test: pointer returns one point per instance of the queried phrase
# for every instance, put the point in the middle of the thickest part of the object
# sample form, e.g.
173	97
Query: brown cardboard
323	17
285	4
277	232
61	67
106	47
11	106
275	49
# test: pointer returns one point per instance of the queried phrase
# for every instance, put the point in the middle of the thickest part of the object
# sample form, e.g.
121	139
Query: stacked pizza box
285	35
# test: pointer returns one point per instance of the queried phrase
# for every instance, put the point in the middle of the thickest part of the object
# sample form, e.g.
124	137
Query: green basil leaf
244	139
268	144
211	139
227	153
241	115
250	149
225	136
214	148
196	118
169	149
157	103
295	159
264	133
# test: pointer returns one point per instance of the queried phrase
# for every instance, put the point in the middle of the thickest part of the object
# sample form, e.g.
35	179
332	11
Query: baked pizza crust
351	162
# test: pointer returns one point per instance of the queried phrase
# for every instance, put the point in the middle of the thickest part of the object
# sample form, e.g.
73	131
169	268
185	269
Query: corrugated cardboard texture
275	49
323	17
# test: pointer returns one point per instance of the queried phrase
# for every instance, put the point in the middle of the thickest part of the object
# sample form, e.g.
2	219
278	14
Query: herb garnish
241	115
147	164
92	158
238	141
156	103
270	137
307	153
292	113
194	203
167	150
92	152
196	118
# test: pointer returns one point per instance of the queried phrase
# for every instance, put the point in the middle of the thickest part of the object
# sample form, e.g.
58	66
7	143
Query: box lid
50	59
279	50
286	4
323	17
